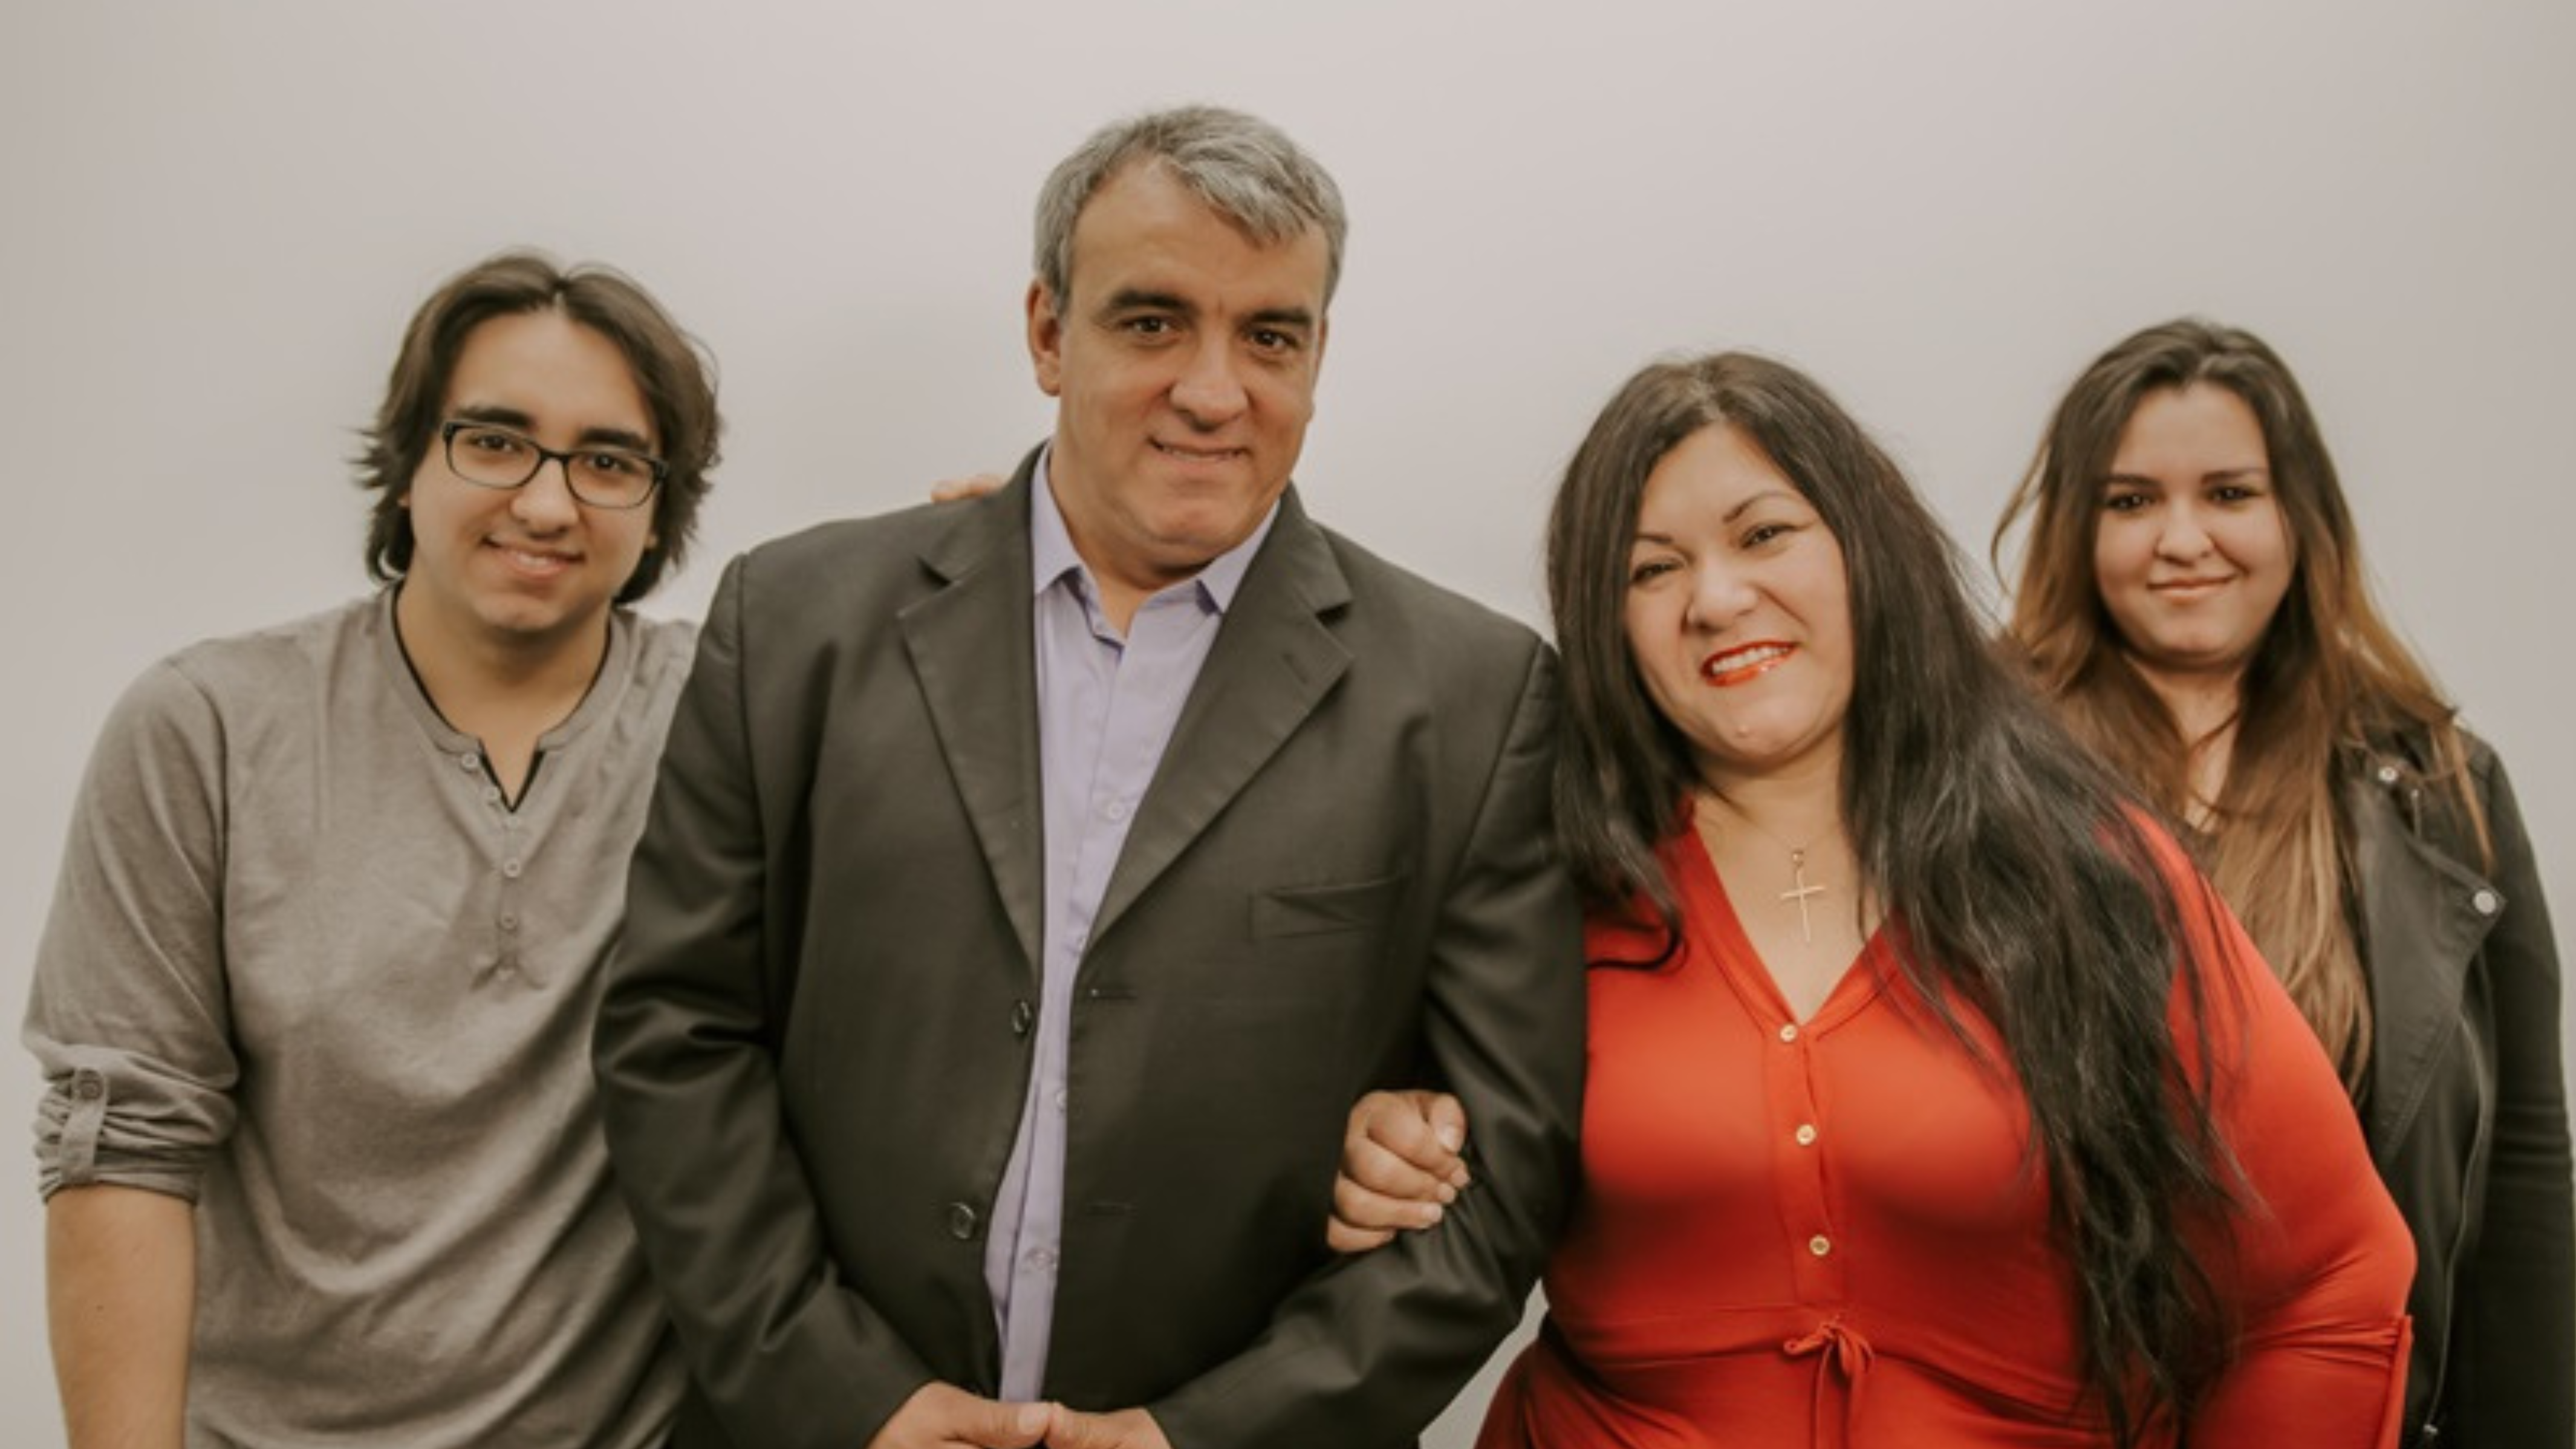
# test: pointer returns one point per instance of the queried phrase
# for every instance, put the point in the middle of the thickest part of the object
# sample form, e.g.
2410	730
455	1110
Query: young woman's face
2191	551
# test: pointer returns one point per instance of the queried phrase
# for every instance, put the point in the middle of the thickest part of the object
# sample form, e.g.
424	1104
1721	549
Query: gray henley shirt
306	968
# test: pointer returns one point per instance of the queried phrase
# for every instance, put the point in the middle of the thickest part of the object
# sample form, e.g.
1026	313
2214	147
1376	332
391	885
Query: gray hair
1243	167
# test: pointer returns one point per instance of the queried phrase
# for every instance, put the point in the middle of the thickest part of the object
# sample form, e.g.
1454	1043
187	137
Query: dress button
1820	1245
1789	1033
2485	903
1806	1134
511	869
961	1221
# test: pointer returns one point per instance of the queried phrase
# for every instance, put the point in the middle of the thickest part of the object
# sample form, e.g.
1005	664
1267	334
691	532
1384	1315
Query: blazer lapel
1273	662
972	651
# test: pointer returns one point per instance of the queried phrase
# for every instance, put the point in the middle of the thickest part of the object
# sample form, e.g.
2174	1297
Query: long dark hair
2013	862
675	375
2329	674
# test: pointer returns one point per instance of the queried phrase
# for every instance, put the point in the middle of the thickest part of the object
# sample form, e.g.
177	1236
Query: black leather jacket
2466	1110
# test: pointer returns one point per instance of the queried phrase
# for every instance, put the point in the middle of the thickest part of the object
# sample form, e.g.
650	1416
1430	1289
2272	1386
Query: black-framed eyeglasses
489	456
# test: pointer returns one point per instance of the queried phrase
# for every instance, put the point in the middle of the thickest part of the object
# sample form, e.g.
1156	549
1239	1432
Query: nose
1208	392
1719	596
545	503
2181	537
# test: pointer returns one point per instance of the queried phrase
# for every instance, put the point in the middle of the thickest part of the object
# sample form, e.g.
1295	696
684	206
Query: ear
1046	339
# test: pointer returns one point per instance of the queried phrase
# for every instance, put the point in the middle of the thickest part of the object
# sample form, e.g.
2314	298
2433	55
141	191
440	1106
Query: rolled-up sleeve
128	1015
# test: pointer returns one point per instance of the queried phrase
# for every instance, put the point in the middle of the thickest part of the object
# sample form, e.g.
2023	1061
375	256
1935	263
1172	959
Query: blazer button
961	1222
1023	1016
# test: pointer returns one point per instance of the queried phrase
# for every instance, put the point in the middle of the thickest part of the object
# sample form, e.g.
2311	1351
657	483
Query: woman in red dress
1933	1099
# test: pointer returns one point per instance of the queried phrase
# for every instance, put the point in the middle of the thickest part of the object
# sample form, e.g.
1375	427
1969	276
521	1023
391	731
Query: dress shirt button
512	870
1789	1032
1114	811
1023	1016
2485	903
961	1221
2388	774
1806	1134
1042	1260
1062	1096
1820	1245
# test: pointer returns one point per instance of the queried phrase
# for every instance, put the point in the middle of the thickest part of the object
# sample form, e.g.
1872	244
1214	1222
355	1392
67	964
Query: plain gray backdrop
214	220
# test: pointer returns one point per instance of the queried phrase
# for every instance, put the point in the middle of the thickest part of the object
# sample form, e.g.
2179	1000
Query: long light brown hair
2329	675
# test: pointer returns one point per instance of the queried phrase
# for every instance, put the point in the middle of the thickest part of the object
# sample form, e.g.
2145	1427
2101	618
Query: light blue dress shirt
1106	709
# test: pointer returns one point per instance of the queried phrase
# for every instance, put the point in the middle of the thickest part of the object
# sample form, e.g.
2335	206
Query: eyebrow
1738	511
513	418
1138	299
2214	475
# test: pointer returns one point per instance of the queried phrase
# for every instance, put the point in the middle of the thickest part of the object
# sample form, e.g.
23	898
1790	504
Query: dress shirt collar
1052	555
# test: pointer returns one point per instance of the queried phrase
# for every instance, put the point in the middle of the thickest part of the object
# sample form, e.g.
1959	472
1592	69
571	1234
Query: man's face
530	568
1184	365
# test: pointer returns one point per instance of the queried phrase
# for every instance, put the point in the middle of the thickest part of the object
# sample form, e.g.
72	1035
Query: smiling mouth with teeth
1738	665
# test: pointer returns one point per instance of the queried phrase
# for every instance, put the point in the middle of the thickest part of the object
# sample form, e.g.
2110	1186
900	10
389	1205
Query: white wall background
214	220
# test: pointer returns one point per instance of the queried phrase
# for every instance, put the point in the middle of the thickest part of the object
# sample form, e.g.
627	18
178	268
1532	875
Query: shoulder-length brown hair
675	375
2328	675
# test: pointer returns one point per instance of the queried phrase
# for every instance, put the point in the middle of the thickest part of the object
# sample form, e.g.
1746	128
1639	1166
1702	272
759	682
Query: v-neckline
1721	936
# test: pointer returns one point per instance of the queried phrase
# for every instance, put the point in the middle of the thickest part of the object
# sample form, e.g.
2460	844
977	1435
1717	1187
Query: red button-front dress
1824	1232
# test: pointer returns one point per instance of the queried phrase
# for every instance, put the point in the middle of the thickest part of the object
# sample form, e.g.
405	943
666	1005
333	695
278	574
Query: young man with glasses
314	1002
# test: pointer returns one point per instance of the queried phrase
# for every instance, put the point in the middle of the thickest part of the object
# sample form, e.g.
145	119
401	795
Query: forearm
121	1288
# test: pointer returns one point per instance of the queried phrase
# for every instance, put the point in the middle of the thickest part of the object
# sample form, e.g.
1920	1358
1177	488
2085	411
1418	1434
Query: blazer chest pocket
1326	909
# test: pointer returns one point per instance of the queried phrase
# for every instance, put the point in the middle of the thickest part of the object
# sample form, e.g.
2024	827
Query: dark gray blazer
815	1039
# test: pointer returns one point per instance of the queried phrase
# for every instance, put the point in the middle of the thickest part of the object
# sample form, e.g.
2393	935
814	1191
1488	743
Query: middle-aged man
314	1004
1032	883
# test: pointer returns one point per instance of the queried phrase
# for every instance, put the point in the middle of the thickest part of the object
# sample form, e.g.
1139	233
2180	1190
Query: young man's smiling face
532	568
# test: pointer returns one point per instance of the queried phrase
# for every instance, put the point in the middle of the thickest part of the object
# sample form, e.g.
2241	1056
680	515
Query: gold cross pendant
1798	865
